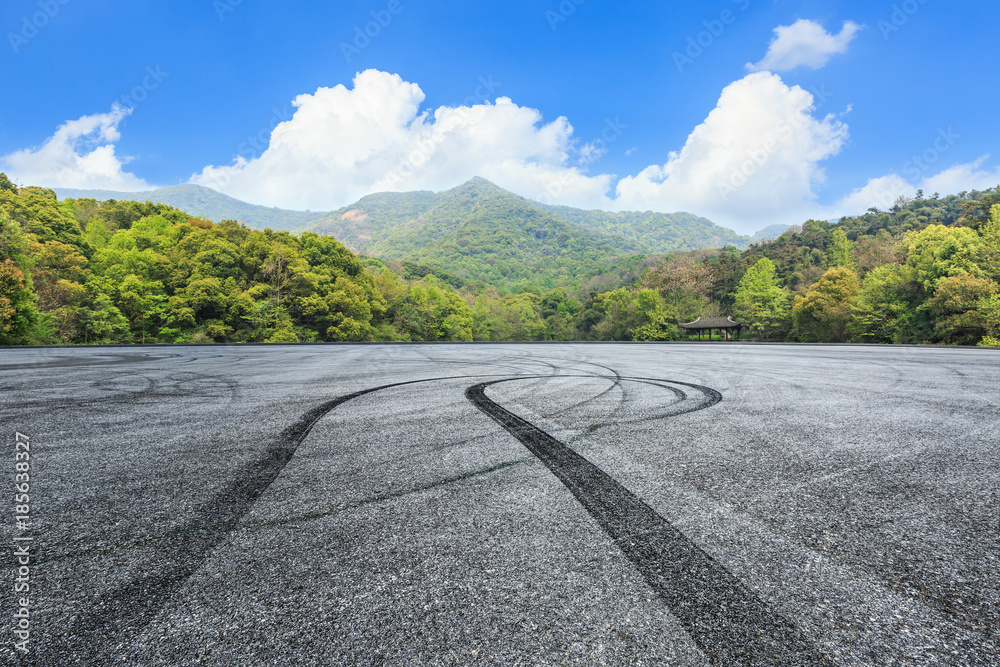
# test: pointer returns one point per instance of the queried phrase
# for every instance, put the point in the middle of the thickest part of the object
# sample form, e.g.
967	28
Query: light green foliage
102	322
478	263
822	313
635	315
879	310
989	313
841	251
6	185
429	310
955	308
761	303
939	252
42	219
19	316
991	244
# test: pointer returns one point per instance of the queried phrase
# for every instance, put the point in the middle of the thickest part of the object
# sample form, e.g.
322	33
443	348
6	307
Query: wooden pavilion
709	324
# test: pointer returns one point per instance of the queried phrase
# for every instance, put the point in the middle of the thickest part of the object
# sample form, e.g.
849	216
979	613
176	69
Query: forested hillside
206	203
652	232
393	225
925	271
484	234
83	271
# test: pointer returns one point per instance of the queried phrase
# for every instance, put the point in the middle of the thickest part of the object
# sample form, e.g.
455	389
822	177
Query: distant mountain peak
480	182
480	186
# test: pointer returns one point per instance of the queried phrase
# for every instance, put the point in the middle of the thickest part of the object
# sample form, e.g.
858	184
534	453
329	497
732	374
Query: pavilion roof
712	323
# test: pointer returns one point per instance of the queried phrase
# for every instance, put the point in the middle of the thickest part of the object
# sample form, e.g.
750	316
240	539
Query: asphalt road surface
502	504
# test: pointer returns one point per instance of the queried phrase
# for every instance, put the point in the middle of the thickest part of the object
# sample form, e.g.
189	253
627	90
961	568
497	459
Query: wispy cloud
805	43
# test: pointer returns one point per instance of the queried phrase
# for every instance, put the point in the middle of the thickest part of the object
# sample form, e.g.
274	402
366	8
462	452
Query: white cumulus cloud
81	154
804	43
344	143
754	161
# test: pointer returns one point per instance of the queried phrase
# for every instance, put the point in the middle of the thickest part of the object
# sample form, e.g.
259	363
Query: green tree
989	311
939	252
879	311
841	251
761	303
103	322
958	319
19	316
6	185
822	314
140	301
991	244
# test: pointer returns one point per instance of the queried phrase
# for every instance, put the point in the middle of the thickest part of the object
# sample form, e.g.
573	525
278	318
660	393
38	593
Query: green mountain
481	232
653	232
478	232
771	232
206	203
474	232
387	224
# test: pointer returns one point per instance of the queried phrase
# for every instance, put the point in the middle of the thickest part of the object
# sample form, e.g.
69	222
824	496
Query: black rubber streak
124	612
730	624
645	537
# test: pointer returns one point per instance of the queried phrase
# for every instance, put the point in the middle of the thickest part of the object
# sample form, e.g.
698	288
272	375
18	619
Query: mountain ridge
648	232
207	203
476	231
213	205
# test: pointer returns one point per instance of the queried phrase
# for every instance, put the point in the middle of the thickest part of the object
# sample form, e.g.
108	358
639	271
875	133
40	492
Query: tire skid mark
126	610
616	383
174	386
730	624
104	360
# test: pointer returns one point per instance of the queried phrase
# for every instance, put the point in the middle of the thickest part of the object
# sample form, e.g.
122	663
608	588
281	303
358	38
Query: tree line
87	272
924	271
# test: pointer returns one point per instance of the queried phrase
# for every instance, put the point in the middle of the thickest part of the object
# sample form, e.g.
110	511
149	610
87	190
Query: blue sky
750	112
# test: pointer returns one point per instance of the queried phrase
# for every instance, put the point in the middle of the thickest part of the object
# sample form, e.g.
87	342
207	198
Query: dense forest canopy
86	271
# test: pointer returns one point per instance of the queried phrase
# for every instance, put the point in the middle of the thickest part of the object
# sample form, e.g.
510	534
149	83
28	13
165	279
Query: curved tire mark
730	624
125	611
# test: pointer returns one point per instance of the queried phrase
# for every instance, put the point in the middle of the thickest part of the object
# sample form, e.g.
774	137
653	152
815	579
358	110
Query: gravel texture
616	504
